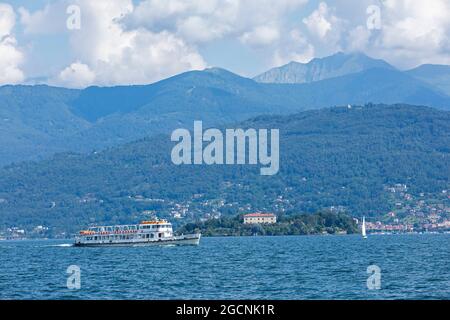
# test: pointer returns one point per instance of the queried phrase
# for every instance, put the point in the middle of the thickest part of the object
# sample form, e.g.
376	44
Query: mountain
339	64
335	157
34	121
436	75
377	85
38	121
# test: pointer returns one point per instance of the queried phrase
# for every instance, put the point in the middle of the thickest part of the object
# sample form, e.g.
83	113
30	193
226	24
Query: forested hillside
332	158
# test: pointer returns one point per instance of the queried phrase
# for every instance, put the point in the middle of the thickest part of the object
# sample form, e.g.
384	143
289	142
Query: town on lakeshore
410	213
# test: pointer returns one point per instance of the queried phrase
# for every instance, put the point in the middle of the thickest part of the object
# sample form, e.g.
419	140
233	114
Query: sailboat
363	228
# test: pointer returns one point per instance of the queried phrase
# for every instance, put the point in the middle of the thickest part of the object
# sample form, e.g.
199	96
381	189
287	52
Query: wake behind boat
154	232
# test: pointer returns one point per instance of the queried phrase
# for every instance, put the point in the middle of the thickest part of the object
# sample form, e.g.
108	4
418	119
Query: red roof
269	215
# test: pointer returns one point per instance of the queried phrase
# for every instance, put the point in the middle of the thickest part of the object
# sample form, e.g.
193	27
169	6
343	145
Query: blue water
303	267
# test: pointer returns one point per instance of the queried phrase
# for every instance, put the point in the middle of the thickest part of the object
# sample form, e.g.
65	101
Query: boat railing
119	229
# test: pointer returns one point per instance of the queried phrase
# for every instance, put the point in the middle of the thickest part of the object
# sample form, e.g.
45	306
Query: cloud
258	24
325	29
7	19
411	32
318	22
294	48
133	42
49	20
261	36
77	75
106	53
415	32
150	57
200	20
123	43
10	55
358	38
136	56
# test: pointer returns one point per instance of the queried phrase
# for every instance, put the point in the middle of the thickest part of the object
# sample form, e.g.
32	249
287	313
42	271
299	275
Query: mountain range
435	75
39	121
339	64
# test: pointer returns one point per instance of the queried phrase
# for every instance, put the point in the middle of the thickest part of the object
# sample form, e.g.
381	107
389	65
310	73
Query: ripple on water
303	267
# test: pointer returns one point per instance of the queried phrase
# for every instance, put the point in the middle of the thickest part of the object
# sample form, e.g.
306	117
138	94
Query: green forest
336	158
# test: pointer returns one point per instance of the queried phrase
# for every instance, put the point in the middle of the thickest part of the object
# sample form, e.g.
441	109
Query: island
297	224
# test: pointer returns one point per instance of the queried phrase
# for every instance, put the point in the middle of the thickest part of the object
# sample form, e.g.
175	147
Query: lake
289	267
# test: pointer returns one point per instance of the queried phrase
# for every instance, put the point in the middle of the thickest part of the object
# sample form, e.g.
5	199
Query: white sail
363	227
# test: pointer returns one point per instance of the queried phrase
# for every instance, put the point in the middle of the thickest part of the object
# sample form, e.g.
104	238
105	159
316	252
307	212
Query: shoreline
259	236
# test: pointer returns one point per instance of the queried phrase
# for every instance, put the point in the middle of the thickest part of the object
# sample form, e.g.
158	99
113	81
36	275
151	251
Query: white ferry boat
154	232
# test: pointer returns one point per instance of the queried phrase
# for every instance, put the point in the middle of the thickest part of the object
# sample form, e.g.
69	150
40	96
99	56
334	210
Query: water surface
294	267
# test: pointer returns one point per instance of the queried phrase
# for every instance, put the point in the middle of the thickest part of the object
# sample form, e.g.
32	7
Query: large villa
253	218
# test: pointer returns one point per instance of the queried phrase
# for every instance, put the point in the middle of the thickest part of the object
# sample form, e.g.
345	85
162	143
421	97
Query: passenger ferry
154	232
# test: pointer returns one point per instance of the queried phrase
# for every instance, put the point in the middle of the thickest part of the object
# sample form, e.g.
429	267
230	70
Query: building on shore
262	218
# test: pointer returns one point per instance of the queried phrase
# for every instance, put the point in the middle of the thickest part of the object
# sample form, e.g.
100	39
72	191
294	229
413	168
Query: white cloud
135	56
205	20
10	56
412	32
261	36
120	43
49	20
150	57
295	48
258	24
125	41
325	29
108	54
415	32
7	19
77	75
318	22
358	38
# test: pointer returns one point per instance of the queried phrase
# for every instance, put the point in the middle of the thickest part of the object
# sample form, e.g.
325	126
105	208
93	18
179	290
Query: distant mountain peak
336	65
434	74
216	70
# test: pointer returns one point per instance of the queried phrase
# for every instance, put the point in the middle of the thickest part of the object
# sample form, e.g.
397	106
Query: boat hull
192	239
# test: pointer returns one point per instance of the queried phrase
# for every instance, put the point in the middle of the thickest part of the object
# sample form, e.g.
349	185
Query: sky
78	43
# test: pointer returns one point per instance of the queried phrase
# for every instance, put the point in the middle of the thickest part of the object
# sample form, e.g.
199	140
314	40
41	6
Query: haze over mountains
38	121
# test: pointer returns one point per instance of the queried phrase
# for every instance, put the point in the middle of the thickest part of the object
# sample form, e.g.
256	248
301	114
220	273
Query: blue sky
128	42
